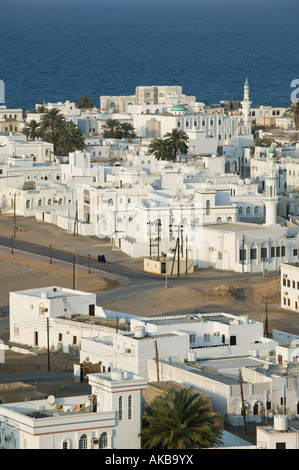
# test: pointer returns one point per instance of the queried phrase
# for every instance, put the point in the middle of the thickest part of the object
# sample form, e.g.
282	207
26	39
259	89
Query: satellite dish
51	399
122	321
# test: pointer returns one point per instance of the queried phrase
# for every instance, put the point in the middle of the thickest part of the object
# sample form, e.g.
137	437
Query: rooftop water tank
139	331
280	423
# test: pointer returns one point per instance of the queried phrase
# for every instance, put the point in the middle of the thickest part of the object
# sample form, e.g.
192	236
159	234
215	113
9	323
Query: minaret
246	105
271	199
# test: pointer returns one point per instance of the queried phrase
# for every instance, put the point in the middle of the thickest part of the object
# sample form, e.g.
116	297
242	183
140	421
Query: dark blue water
54	50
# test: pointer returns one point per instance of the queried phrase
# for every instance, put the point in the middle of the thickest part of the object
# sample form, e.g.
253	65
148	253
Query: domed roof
178	107
271	150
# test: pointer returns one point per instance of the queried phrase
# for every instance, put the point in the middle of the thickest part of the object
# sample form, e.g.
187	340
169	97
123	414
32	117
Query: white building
109	418
290	286
280	435
200	336
32	313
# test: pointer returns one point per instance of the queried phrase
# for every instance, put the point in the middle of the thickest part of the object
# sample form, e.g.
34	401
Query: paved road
133	282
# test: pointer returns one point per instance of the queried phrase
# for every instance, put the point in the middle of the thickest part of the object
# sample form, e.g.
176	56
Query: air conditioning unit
94	440
128	350
285	275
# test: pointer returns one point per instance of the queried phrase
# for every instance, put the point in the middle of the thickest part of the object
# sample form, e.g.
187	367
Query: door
36	338
91	309
233	340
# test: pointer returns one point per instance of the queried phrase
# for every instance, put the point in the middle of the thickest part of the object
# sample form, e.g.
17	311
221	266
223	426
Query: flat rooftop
239	227
50	292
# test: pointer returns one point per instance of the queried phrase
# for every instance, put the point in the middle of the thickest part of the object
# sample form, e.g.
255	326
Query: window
208	207
83	442
253	253
120	408
272	251
103	441
206	337
74	339
248	210
130	407
192	338
295	252
243	254
283	251
66	444
59	337
278	251
264	252
284	282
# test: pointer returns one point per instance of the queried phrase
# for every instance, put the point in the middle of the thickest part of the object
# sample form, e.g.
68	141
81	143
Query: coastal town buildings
108	418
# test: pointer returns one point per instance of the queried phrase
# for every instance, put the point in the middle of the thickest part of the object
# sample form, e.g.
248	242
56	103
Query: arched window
229	219
130	407
120	408
248	210
256	210
208	207
13	441
103	441
49	202
60	202
66	444
83	442
28	204
219	219
39	202
240	210
16	329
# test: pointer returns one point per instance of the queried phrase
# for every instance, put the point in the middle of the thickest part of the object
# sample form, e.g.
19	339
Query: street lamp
12	244
50	246
75	259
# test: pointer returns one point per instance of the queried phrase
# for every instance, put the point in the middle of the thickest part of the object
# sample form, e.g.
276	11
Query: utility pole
89	264
12	244
74	272
50	246
179	256
157	361
48	343
242	397
150	239
243	253
76	220
266	334
14	215
186	255
159	225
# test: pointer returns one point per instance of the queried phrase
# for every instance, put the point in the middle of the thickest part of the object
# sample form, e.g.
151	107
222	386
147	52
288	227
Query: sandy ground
22	271
239	296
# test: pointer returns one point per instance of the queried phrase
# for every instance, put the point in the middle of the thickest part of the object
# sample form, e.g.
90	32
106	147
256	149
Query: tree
178	142
70	138
85	102
32	129
293	111
53	137
41	109
179	419
52	120
161	149
260	142
127	130
112	129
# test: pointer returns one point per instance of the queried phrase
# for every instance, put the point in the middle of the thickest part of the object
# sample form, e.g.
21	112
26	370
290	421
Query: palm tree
293	111
127	130
52	120
32	129
161	149
260	142
112	129
85	102
41	109
53	137
179	419
177	140
70	138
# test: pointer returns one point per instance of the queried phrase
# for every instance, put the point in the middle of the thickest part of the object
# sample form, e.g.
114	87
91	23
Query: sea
56	50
